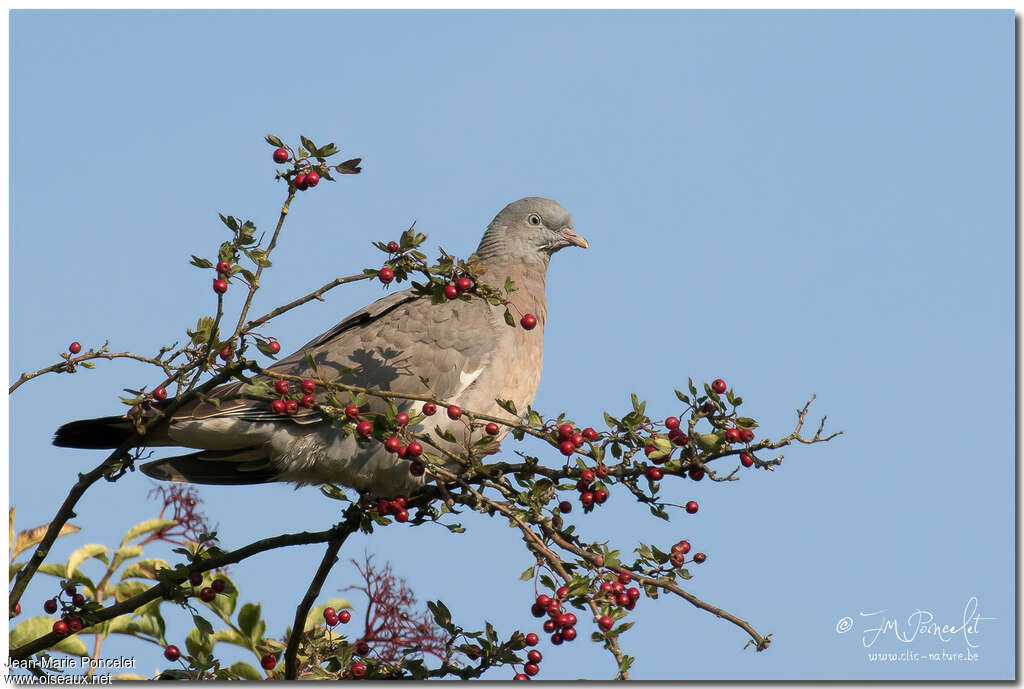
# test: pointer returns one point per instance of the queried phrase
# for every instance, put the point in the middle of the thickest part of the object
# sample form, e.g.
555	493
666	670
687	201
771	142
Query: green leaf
509	319
200	262
744	422
127	552
510	286
527	573
246	671
202	624
682	397
145	569
308	145
229	221
508	405
274	141
84	553
248	619
35	627
145	625
146	527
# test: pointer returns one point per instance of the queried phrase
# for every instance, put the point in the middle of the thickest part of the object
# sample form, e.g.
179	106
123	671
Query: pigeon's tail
217	468
104	433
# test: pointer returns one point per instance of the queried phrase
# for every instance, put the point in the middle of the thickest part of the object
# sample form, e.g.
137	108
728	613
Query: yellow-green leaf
30	537
316	615
147	625
35	627
129	589
125	552
146	527
144	569
246	671
95	550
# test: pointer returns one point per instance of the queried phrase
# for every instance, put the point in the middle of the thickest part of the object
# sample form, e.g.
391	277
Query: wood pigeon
460	352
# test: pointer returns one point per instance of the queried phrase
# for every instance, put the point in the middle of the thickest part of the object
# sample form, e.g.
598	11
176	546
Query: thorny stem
316	294
351	522
71	362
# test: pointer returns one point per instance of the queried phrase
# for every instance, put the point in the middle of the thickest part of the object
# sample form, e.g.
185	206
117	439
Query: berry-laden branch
353	516
72	361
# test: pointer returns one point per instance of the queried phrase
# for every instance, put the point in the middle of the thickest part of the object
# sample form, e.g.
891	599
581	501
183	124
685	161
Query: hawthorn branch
259	269
353	515
69	365
316	294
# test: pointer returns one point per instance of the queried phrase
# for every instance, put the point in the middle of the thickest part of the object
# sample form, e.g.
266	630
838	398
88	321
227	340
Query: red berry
308	387
224	267
401	418
569	634
352	411
393	247
746	435
402	516
566	447
218	585
429	408
328	611
385	275
50	606
544	600
623	599
172	653
268	661
160	393
278	406
565	507
531	669
220	286
463	284
75	624
696	474
17	608
587	499
392	444
625	578
491	428
74	347
746	460
633	592
415	449
362	648
207	595
195	578
281	155
344	616
291	407
699	557
532	639
554	611
454	412
605	623
451	291
416	469
682	547
565	432
732	435
653	473
562	591
60	628
577	439
589	434
556	639
648	449
520	676
537	610
274	346
600	495
672	423
691	507
331	620
602	471
225	353
364	428
606	588
587	475
534	656
617	587
529	321
358	670
312	179
707	407
300	180
399	502
718	386
549	626
308	401
679	438
283	387
568	620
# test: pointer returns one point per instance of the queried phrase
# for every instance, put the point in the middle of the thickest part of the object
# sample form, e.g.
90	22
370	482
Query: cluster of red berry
461	285
332	617
679	551
570	439
591	493
394	507
303	180
207	594
69	622
560	624
289	404
532	667
220	285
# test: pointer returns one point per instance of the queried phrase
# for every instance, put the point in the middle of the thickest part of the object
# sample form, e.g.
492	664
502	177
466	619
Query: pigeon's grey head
529	227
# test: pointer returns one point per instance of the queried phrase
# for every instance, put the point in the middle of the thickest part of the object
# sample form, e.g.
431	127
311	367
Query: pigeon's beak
574	239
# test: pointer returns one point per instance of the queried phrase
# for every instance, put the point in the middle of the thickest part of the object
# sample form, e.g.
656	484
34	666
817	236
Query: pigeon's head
529	227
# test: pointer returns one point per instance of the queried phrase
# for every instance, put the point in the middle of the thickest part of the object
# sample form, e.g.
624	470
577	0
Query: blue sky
798	202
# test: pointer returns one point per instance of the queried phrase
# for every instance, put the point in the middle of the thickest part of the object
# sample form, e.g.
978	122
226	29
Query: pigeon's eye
534	219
